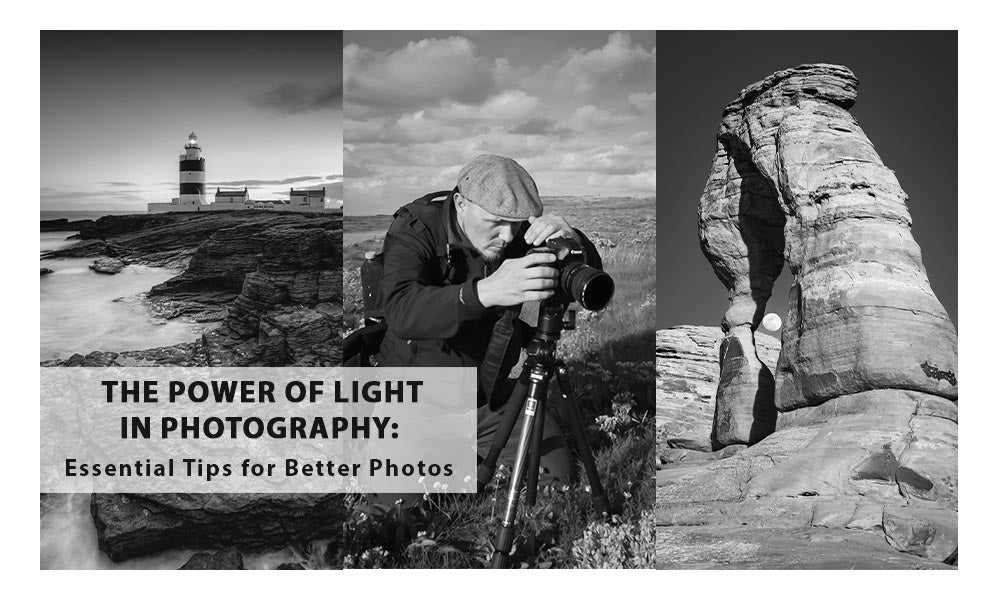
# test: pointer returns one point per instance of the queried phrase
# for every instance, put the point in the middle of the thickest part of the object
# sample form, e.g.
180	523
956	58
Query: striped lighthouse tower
192	174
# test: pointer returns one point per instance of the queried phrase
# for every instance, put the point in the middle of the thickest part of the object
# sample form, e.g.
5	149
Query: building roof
320	193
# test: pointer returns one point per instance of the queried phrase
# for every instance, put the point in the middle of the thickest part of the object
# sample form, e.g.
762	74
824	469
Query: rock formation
108	266
855	430
687	365
273	280
133	525
795	178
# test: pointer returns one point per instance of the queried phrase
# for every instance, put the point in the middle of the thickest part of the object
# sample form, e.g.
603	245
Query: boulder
108	266
134	525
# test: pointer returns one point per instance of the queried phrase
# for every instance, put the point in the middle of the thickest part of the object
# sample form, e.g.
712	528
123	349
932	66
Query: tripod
530	396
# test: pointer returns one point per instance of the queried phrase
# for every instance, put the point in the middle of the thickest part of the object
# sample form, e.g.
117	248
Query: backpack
363	344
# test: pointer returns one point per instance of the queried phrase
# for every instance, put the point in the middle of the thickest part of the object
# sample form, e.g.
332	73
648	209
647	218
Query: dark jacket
428	295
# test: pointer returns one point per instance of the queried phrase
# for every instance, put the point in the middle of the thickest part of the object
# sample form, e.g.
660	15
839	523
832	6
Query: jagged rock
223	560
288	311
687	361
65	224
109	266
131	525
188	354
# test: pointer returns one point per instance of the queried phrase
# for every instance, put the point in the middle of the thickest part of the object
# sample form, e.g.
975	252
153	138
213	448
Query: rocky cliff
854	430
273	282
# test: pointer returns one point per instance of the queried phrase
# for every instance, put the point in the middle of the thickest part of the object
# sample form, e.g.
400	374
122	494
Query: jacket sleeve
416	304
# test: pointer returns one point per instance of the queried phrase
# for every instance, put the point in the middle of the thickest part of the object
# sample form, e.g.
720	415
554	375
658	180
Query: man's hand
547	226
519	280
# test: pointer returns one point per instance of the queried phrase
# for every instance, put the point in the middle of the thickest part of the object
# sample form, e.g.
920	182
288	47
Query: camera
591	288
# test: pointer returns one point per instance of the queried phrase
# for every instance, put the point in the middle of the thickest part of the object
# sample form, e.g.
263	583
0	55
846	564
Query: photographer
455	274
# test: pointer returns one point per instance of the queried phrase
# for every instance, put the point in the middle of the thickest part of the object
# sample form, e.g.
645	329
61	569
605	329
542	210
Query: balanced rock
862	406
795	177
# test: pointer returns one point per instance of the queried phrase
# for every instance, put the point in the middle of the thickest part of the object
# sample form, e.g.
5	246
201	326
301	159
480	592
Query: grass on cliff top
611	359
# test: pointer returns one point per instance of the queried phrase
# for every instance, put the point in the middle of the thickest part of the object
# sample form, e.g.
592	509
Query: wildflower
437	485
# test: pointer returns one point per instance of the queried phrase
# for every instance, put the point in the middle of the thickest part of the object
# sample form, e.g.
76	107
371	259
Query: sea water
82	310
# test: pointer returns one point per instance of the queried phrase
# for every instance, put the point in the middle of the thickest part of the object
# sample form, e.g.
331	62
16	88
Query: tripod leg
505	534
572	416
511	411
535	449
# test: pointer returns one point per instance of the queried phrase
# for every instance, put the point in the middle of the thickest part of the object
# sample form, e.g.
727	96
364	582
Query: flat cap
501	186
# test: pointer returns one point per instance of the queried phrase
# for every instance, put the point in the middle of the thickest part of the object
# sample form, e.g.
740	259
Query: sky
907	105
576	109
117	107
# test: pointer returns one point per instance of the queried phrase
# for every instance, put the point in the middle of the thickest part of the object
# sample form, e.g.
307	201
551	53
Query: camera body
578	282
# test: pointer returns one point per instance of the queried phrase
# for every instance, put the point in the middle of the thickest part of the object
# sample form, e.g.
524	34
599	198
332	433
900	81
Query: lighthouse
192	174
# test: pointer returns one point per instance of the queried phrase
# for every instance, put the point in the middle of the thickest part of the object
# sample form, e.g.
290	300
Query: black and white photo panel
807	391
500	213
191	193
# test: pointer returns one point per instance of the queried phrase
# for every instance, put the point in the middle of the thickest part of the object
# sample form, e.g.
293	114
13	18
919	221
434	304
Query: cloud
589	118
421	72
256	182
582	121
617	65
119	183
293	98
643	102
535	126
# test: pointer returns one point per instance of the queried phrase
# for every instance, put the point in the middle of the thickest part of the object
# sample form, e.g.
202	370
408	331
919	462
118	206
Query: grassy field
611	359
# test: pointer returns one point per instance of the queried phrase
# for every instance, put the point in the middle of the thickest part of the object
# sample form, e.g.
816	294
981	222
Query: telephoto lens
579	282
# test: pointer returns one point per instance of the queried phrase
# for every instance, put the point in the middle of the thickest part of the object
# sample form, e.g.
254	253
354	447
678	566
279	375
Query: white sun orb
771	322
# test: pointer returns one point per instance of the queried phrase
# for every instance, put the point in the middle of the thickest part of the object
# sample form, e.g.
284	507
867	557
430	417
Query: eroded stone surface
795	178
687	361
864	443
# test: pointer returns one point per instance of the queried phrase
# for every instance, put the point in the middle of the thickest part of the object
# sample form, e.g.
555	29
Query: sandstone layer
855	434
687	364
796	180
